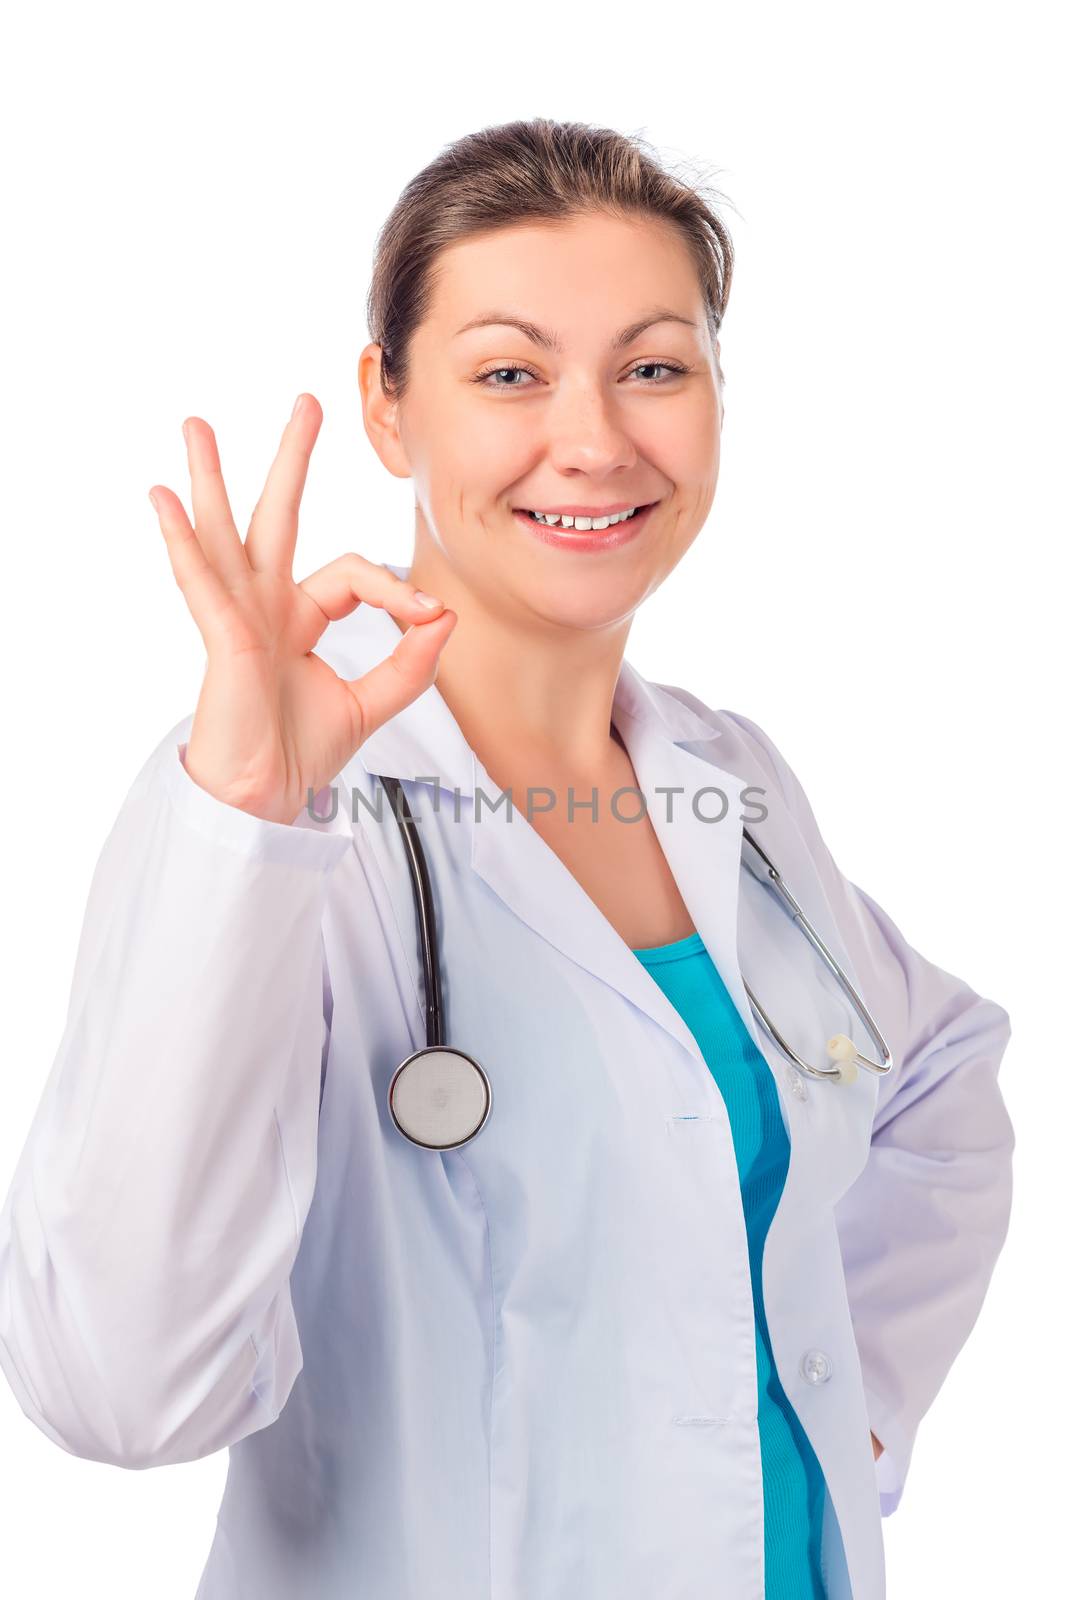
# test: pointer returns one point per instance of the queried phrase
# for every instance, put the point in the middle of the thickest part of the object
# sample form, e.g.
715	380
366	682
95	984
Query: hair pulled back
529	172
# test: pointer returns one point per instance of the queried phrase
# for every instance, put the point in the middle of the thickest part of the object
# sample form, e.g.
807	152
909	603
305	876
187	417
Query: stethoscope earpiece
843	1051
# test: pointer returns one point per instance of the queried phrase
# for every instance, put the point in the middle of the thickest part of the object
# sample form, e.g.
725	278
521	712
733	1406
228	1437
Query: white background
191	195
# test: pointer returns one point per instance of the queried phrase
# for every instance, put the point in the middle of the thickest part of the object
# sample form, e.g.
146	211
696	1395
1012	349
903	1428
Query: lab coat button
815	1366
798	1085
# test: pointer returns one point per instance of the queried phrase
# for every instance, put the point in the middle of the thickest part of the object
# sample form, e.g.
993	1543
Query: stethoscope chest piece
439	1097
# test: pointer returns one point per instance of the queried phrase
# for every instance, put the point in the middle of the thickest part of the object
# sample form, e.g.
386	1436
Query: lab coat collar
424	740
668	743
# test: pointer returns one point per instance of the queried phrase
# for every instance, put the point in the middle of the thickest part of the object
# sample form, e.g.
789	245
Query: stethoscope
440	1097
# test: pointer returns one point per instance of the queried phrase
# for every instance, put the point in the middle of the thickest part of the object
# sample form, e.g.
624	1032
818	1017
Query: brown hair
520	172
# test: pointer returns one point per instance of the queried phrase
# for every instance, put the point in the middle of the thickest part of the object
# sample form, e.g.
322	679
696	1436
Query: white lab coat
521	1370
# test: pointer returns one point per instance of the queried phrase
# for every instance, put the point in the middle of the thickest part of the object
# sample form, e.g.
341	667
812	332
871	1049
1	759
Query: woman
647	1332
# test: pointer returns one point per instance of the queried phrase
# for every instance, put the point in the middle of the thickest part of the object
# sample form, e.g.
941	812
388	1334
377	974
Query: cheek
685	450
694	452
699	476
461	509
483	456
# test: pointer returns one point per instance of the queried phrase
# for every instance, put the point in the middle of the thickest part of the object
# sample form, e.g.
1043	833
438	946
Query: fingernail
297	406
427	600
155	502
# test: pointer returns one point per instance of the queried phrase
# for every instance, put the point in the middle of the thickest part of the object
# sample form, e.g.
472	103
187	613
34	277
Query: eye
664	366
670	367
484	377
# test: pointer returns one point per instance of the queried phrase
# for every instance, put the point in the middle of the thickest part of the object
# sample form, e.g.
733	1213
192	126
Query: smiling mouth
568	523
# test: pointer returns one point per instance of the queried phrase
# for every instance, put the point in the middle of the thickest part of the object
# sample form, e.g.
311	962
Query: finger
206	596
216	530
272	532
405	674
339	587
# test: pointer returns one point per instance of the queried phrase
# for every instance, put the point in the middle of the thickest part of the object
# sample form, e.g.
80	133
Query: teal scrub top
794	1486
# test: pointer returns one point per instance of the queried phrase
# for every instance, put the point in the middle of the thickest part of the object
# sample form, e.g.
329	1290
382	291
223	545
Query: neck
527	693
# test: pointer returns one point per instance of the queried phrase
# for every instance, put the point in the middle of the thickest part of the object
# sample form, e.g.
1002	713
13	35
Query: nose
586	432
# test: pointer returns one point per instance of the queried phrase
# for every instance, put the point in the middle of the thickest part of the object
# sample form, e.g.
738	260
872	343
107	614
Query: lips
586	541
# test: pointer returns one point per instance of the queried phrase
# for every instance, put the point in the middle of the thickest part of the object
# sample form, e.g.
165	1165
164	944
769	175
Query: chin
588	600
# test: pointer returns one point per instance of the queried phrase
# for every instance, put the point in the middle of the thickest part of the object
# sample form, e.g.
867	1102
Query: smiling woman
530	426
637	1334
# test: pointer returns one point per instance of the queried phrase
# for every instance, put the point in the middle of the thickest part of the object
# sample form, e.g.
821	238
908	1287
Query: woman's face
499	421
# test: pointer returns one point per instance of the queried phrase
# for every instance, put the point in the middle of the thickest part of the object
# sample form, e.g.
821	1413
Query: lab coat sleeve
155	1212
924	1222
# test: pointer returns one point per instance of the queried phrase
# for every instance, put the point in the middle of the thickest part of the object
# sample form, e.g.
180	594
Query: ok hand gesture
273	720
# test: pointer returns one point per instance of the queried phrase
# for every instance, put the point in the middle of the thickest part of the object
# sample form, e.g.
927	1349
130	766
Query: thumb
405	674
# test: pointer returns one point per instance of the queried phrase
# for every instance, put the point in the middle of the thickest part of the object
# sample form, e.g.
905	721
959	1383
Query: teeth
582	524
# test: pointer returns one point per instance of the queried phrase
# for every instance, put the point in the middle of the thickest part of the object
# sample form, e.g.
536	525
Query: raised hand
273	720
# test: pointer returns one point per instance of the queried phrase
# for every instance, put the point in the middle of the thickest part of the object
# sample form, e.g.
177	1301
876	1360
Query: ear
380	414
722	407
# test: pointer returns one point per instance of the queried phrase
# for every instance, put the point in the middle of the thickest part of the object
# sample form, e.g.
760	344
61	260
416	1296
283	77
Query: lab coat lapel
670	748
704	856
781	835
701	834
527	875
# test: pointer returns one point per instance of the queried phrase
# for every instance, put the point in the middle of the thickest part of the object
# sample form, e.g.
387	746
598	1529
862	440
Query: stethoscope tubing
754	857
424	900
767	872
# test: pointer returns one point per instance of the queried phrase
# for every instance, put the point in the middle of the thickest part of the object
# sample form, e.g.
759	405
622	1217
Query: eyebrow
551	341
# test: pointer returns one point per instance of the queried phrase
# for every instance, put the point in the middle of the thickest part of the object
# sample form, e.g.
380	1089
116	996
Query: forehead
573	275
